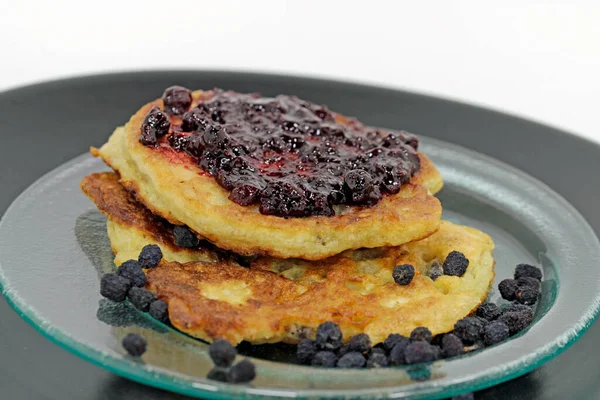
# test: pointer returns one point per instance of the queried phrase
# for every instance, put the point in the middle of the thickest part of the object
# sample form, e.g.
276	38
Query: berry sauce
291	157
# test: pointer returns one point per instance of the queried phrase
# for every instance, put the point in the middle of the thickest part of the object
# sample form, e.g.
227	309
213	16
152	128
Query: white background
538	59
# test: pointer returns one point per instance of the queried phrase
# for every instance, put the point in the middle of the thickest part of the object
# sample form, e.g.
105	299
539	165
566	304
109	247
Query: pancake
171	185
211	296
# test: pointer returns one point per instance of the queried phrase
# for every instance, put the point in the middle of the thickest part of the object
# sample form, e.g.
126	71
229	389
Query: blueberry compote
291	157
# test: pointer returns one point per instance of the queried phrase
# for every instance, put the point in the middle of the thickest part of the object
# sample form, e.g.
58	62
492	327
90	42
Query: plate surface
57	291
49	123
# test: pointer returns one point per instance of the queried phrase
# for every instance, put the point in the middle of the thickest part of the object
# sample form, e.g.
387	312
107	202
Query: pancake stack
264	265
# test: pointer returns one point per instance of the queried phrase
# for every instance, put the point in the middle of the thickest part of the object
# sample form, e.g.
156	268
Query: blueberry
245	194
517	307
421	333
150	256
242	372
495	332
455	264
393	339
526	295
306	351
397	353
177	100
184	237
507	289
526	270
360	343
155	125
489	311
326	359
421	352
359	185
222	353
329	336
131	270
529	282
193	119
134	344
141	298
352	359
435	270
469	329
378	350
345	348
114	287
377	360
218	374
452	346
159	310
516	320
403	274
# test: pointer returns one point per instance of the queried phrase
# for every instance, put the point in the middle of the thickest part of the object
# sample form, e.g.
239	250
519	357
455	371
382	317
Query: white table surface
537	59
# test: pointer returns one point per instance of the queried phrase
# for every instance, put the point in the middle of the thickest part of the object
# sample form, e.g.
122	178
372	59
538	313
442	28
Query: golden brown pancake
211	296
171	185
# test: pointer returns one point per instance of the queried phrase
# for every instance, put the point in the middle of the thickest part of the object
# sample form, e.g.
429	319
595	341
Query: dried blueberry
455	264
134	344
352	359
329	336
218	374
141	298
507	289
242	372
393	339
360	343
114	287
421	352
306	351
159	310
403	274
326	359
222	353
155	125
469	329
421	333
131	270
526	295
489	311
516	320
452	346
377	360
495	332
177	100
397	353
435	270
150	256
526	270
184	237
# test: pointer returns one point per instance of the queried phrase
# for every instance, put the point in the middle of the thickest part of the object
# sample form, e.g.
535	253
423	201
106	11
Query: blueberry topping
131	270
495	332
326	359
150	256
352	359
421	333
184	237
526	270
329	336
242	372
222	353
360	343
291	157
141	298
156	124
421	352
306	351
159	310
489	311
134	344
114	287
403	274
455	264
177	100
452	346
